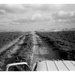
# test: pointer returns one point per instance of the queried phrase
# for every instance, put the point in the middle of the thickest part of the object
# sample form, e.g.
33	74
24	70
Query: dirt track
41	51
30	49
19	51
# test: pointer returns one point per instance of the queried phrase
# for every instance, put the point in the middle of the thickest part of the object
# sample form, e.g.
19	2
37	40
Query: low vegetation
63	42
6	37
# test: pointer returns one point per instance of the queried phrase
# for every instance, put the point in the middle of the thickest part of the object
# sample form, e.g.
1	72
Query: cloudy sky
36	16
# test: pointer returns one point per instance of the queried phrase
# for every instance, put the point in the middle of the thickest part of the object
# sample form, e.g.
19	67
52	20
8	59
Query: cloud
64	16
12	8
22	12
62	13
21	8
2	12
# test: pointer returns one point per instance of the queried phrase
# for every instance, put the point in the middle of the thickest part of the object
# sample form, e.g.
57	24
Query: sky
36	16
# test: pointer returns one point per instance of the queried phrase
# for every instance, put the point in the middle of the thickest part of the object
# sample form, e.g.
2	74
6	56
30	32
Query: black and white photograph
37	37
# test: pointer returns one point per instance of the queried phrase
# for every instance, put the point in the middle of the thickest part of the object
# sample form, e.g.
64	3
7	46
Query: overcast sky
24	16
22	8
